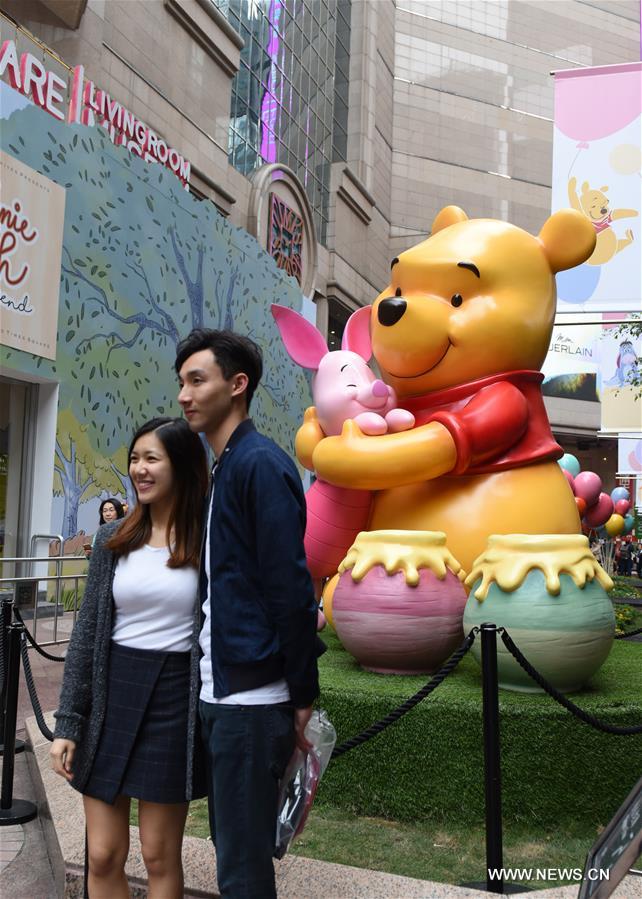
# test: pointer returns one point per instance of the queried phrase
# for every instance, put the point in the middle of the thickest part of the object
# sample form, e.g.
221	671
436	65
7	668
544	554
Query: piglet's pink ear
356	336
304	343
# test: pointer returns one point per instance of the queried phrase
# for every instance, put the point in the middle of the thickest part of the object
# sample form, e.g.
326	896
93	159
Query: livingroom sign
32	213
84	103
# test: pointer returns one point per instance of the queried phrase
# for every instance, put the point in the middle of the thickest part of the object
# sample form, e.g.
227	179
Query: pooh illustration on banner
460	333
594	204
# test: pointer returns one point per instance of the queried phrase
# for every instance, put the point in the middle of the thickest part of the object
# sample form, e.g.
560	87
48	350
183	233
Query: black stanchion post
85	887
12	811
6	611
6	615
492	765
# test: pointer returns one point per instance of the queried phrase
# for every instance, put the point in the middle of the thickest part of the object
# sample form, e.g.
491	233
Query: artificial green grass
448	855
425	850
429	765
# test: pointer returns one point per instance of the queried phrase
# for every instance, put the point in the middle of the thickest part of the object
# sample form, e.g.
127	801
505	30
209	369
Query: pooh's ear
585	187
567	238
604	189
449	215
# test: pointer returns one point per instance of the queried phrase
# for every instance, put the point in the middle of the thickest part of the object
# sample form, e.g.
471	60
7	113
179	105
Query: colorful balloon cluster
609	515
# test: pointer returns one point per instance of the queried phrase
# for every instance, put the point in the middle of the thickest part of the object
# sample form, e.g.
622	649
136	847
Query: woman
110	509
126	719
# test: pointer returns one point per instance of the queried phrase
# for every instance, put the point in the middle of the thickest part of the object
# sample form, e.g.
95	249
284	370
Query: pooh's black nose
391	310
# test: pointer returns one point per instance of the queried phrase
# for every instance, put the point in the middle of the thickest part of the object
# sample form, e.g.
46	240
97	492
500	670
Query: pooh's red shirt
496	423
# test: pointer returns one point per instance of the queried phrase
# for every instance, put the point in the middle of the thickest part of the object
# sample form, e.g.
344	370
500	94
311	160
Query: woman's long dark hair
116	503
190	476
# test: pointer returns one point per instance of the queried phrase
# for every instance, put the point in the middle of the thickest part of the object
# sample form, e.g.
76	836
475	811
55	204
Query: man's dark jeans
248	748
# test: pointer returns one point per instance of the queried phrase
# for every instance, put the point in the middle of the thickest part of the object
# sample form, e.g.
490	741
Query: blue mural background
143	262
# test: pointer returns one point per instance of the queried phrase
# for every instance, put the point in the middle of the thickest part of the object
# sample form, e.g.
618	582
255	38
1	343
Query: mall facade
332	131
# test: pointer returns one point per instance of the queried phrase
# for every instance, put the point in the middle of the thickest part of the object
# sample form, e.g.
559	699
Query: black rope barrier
5	621
31	687
42	652
628	634
560	697
2	665
409	704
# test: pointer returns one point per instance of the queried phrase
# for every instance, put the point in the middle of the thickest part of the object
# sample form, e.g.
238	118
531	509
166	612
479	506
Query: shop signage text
87	105
565	345
32	216
15	230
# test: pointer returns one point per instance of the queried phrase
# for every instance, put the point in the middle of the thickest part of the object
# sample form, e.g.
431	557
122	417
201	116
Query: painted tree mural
143	263
73	469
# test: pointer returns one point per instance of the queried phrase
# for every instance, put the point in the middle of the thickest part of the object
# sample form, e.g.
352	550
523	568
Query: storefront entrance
27	437
17	406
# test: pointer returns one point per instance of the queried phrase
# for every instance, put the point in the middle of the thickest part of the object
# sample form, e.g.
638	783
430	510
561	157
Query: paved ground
24	864
25	870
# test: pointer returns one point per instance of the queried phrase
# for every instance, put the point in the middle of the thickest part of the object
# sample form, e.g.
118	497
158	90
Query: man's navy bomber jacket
262	606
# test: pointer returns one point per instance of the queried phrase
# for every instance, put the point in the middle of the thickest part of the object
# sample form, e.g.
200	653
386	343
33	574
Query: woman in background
127	714
110	509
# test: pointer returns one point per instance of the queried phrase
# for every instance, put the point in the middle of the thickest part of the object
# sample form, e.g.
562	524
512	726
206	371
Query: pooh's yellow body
461	333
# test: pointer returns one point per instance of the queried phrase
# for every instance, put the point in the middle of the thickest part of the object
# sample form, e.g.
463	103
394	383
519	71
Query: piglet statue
343	387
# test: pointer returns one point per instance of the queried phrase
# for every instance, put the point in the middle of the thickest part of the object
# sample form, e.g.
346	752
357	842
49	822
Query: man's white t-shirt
269	694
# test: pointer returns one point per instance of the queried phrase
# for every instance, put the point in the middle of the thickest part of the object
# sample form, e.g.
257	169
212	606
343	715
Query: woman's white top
154	604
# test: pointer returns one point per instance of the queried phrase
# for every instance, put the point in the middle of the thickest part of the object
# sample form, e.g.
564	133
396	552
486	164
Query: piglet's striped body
335	516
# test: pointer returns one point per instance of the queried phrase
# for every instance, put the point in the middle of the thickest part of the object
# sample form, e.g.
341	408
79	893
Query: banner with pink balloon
597	169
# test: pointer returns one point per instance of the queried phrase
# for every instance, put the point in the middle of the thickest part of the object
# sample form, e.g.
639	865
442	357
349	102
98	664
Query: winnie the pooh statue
460	333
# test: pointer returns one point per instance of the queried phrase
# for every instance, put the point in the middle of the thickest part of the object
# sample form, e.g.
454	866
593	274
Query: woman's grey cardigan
83	696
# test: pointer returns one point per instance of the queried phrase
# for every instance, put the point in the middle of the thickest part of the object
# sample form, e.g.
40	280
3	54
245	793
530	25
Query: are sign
84	103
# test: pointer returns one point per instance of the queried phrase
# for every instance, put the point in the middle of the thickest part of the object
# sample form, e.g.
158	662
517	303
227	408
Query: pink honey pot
399	603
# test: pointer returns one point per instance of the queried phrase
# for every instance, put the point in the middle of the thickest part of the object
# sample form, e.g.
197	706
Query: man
258	640
625	558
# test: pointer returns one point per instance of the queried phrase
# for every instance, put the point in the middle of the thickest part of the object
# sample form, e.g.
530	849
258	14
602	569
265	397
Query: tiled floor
12	840
25	869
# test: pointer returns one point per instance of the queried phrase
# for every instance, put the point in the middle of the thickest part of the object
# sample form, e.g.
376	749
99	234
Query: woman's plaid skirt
142	752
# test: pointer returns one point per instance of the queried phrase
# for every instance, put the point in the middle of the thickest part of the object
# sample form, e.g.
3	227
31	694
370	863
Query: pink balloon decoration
600	512
588	485
588	107
622	506
569	477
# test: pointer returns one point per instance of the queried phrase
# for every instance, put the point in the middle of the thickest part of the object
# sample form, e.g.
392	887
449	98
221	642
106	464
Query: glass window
338	316
341	81
285	103
17	431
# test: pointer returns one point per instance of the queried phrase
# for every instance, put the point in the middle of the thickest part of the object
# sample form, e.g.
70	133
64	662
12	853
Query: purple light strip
270	103
307	152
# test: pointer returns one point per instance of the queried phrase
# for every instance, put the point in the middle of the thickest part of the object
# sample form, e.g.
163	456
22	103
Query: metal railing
49	600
